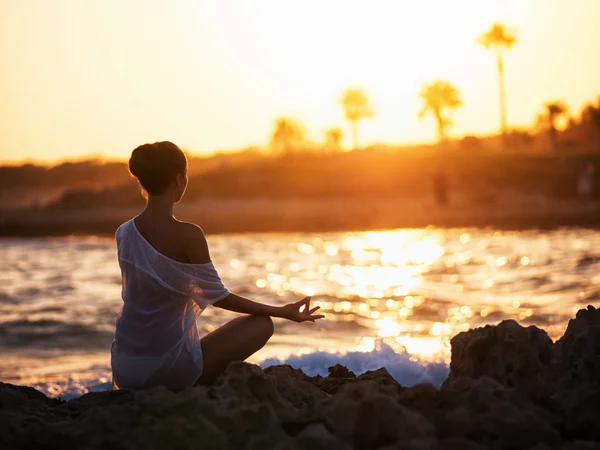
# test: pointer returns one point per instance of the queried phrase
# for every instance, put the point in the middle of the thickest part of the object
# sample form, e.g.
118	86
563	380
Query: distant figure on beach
440	187
585	181
168	280
224	162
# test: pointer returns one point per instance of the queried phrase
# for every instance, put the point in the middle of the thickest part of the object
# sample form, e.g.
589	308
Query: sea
392	298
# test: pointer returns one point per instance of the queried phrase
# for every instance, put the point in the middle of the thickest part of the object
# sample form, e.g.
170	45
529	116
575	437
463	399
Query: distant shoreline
238	215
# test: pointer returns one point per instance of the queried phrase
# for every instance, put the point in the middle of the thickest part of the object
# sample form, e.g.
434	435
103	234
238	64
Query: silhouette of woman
168	280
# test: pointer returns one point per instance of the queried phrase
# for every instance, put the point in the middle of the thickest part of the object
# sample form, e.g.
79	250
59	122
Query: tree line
439	99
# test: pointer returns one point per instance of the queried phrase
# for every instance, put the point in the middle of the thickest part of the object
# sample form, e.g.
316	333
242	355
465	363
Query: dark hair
156	165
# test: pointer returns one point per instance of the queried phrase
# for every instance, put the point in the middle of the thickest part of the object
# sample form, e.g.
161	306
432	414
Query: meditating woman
168	280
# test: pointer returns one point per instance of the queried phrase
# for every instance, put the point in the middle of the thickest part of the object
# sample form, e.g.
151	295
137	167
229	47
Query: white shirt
162	298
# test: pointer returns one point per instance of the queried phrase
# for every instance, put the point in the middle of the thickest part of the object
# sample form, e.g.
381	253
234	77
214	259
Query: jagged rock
29	392
364	417
12	398
294	385
339	371
509	353
485	411
110	399
509	387
336	379
420	396
248	382
578	351
383	379
287	371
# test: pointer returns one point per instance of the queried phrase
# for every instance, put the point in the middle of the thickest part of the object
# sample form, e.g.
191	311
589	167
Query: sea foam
407	370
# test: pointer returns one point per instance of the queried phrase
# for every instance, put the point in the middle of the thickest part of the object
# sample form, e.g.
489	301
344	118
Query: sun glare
229	69
386	48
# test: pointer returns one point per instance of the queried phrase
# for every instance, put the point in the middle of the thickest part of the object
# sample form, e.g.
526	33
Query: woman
168	280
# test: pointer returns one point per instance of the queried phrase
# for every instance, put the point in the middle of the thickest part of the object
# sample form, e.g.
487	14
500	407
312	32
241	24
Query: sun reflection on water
413	286
414	289
369	279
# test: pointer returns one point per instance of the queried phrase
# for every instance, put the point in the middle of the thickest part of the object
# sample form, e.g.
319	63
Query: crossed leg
234	341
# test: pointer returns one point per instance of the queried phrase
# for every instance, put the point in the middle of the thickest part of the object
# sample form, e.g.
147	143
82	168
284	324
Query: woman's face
181	181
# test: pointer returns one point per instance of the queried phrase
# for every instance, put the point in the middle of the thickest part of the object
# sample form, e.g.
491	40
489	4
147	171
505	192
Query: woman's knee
265	325
268	325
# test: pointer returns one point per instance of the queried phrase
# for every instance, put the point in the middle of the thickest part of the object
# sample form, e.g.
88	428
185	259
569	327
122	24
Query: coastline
239	215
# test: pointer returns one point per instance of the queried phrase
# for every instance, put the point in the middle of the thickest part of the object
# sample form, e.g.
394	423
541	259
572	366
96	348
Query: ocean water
391	298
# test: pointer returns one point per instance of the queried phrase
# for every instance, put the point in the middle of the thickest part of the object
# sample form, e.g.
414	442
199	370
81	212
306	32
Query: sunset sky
85	77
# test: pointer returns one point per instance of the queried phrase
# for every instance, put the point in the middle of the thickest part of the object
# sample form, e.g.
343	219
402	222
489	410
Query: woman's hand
293	311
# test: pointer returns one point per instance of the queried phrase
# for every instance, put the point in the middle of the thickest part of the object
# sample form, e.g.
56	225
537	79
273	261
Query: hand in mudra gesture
295	312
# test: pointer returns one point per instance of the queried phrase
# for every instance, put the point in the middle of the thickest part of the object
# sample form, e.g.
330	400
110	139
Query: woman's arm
198	253
239	304
291	311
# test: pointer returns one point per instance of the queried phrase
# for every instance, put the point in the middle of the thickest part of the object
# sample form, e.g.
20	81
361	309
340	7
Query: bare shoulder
194	243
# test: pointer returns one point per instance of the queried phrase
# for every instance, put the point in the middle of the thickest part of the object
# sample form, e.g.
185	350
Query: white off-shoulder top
162	299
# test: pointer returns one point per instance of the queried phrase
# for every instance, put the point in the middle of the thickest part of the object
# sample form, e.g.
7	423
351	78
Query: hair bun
141	161
156	165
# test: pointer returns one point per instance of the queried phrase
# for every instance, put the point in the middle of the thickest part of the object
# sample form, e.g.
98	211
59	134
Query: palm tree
287	135
333	138
356	106
436	97
499	39
555	110
591	114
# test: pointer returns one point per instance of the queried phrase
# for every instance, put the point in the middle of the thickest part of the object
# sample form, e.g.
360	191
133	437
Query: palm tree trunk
440	123
552	131
502	94
355	133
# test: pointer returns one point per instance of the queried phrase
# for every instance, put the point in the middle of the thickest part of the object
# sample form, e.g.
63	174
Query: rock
578	351
248	382
578	410
385	382
541	447
30	393
509	353
12	398
420	396
294	385
174	432
492	415
365	418
509	387
336	379
436	444
339	371
580	445
315	437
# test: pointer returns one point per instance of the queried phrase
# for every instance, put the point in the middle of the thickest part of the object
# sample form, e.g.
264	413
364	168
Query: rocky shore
509	387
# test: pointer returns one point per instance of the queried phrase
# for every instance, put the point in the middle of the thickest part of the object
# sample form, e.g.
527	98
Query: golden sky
101	77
